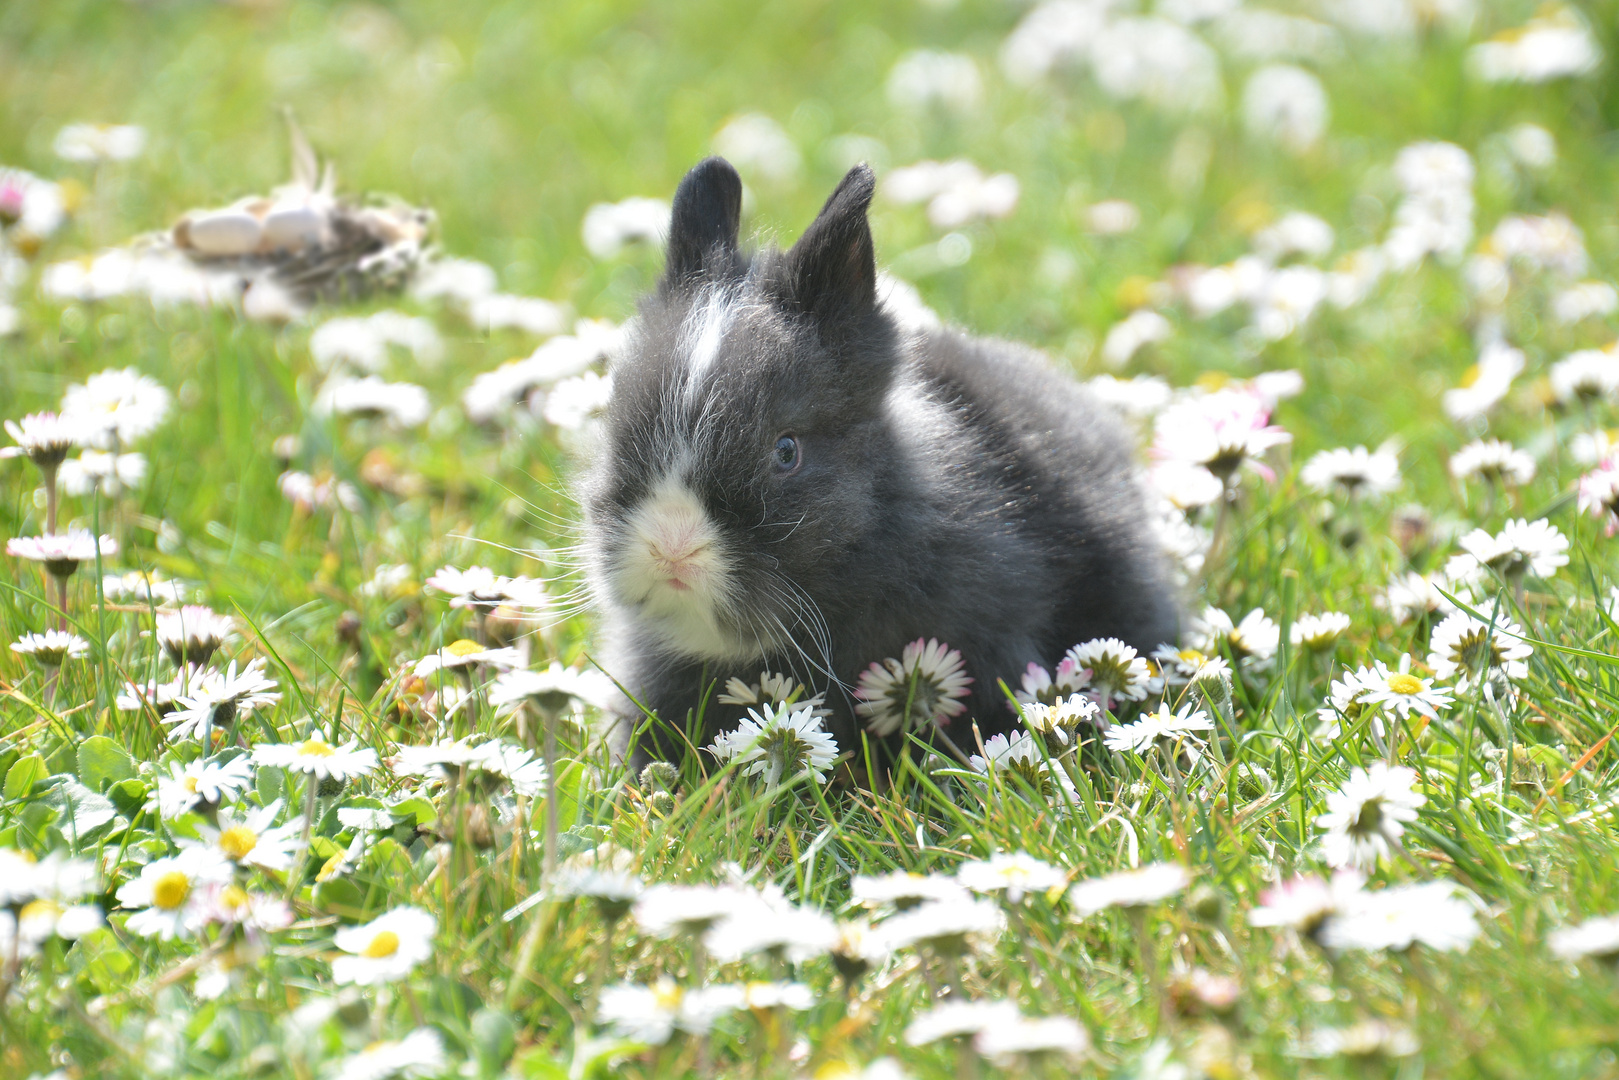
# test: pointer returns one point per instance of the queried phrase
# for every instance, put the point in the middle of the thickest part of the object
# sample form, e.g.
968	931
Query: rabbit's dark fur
949	487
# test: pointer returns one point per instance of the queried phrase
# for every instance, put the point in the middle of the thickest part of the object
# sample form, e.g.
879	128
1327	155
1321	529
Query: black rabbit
790	482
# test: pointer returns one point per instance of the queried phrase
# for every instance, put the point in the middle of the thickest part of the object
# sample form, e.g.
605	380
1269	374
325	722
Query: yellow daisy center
190	784
237	841
39	909
463	647
386	943
1192	656
668	995
233	897
170	890
316	748
329	867
1401	683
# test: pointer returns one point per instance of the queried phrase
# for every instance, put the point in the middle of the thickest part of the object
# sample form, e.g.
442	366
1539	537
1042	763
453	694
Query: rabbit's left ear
703	224
833	271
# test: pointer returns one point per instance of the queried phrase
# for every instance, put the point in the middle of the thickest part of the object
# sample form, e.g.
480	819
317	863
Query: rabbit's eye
788	454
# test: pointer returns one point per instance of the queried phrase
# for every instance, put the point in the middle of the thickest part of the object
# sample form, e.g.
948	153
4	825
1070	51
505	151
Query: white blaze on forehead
673	570
703	333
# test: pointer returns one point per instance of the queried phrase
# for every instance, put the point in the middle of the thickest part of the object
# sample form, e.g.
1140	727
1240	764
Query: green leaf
34	831
415	807
21	777
83	811
340	897
98	958
103	762
129	796
272	784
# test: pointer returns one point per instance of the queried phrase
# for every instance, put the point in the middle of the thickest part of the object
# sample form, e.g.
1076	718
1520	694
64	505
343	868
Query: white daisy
1401	692
1363	1042
1532	547
1014	874
167	892
1019	754
1255	639
1186	485
1004	1044
1303	903
99	142
922	689
1178	667
1117	673
44	438
51	648
193	634
386	949
956	1018
552	688
767	922
254	839
1586	376
1222	431
1318	633
652	1014
1599	493
1413	595
1493	461
604	874
1365	817
325	492
777	995
40	920
779	743
319	758
480	587
202	783
774	689
1597	938
1040	685
404	405
102	471
667	910
1128	888
1471	650
1427	913
948	927
1486	383
115	407
216	698
903	889
1061	719
519	766
1356	472
419	1054
61	552
232	905
1177	728
462	654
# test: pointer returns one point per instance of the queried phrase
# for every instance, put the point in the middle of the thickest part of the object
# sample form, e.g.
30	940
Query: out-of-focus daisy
779	742
44	438
777	995
1428	913
99	142
318	758
1140	397
61	552
1304	902
667	910
403	405
362	342
1127	337
923	689
1019	754
766	922
1356	472
232	905
573	403
759	147
553	689
1287	105
1006	1044
143	588
1040	685
652	1014
1223	432
1597	938
193	634
956	192
1494	462
1366	817
1599	493
386	949
1177	728
957	1018
254	839
948	927
1485	384
610	227
857	948
1401	692
604	874
1471	650
1318	633
925	78
1014	874
166	892
1412	595
51	648
202	783
903	889
215	698
1366	1041
1586	376
463	654
324	492
103	471
115	407
1112	217
1584	300
481	588
1116	672
1062	719
419	1054
1186	484
1150	884
1554	44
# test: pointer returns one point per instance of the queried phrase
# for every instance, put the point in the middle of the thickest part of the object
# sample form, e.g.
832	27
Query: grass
509	121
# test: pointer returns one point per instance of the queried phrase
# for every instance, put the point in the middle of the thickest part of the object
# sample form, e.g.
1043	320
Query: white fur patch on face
671	568
703	334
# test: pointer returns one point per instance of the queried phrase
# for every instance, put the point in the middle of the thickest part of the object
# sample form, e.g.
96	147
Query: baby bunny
789	482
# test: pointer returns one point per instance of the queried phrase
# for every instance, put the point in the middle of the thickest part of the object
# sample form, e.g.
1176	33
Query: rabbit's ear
703	224
833	272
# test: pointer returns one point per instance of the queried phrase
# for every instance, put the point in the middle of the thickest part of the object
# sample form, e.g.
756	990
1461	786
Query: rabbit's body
791	483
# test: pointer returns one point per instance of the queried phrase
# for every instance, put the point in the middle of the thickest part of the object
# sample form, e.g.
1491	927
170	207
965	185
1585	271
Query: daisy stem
549	865
1149	963
604	965
61	601
48	472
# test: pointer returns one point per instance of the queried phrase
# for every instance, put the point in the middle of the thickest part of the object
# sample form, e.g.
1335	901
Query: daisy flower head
517	765
773	689
168	891
652	1014
1599	493
605	874
318	758
1319	633
101	471
1176	728
115	407
688	910
1366	817
947	927
1521	547
461	655
403	405
1186	485
1149	885
924	688
1586	376
478	587
215	698
1222	431
553	689
193	634
232	905
1117	673
1062	719
903	889
40	920
765	922
1473	651
1485	384
1597	938
1355	473
1413	596
1303	903
779	742
309	493
419	1054
51	648
1008	1043
954	1019
857	948
386	949
99	142
1255	639
1179	667
61	552
44	438
1428	913
1403	693
201	784
1014	874
1040	685
1020	755
759	996
254	839
1493	461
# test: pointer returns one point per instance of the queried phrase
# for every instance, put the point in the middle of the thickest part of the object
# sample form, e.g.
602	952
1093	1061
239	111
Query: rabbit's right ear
703	224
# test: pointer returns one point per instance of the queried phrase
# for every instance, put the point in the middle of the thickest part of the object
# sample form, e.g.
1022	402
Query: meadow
308	312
